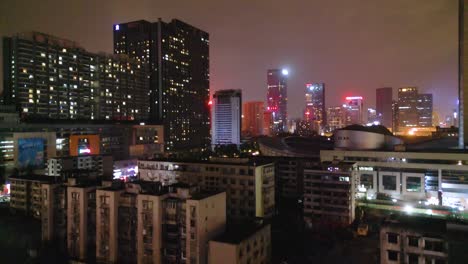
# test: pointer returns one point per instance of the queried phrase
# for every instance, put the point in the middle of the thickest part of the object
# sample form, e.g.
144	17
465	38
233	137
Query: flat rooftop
218	161
238	232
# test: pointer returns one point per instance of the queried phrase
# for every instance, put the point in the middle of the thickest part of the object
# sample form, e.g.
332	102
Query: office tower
424	107
372	117
51	78
226	117
178	58
353	109
454	119
252	120
407	107
267	123
277	98
315	105
335	118
384	106
462	72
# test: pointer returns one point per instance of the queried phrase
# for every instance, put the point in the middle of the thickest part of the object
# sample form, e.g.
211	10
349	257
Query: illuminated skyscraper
353	110
267	123
226	117
372	117
277	98
424	110
335	118
384	98
408	107
178	59
252	121
315	105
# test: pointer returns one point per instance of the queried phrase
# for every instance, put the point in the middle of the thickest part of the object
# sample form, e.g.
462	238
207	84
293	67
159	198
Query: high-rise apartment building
424	110
277	98
177	55
226	118
51	78
252	120
407	107
384	101
353	110
335	118
315	105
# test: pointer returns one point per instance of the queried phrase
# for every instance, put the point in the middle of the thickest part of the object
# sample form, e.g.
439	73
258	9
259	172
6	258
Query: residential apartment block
249	185
148	223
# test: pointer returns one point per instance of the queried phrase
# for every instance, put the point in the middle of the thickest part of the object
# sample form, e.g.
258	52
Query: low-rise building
26	194
409	239
100	165
242	243
328	197
428	177
249	184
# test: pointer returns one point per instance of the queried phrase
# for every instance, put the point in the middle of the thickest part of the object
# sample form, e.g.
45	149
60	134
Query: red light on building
354	98
210	102
307	113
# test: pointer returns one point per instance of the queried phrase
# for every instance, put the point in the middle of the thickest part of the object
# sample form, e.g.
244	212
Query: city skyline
413	62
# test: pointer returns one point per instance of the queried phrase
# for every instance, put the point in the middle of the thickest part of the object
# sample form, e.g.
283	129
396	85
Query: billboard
31	152
84	145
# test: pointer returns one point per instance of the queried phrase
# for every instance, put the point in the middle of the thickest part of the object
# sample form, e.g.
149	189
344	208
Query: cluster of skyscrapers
159	74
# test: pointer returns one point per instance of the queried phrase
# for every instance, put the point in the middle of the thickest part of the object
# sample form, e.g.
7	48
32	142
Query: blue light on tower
285	72
117	27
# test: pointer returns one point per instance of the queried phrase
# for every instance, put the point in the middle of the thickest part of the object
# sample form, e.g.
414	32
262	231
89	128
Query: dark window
392	255
413	259
413	184
413	241
389	182
392	238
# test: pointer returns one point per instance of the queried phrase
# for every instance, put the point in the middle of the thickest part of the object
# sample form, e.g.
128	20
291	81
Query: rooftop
373	129
238	232
429	226
220	161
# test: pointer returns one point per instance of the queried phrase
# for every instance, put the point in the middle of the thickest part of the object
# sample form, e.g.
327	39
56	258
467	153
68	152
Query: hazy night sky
354	46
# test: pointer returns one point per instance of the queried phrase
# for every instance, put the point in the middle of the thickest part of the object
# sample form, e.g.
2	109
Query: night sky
354	46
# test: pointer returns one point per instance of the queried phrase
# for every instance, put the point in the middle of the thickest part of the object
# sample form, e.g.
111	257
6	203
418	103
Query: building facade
226	118
328	197
353	110
249	185
315	105
335	118
425	110
252	120
407	107
277	98
384	99
173	225
51	78
177	55
430	177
